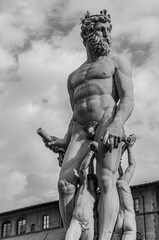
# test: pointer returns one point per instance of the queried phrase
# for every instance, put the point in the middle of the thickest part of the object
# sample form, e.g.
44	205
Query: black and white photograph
79	124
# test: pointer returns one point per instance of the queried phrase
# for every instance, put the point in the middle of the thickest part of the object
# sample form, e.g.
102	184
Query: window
21	226
32	228
6	229
136	204
46	220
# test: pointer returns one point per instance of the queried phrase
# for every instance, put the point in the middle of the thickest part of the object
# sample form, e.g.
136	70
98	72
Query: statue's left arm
131	166
124	86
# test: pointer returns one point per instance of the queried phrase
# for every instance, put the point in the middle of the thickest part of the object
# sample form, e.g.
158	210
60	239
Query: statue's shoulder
120	60
71	75
122	184
122	64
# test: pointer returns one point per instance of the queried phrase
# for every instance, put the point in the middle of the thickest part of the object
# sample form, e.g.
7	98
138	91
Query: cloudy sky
40	45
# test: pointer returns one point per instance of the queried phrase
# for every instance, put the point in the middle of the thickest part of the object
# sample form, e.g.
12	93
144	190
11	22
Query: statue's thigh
74	230
88	234
75	154
129	223
106	160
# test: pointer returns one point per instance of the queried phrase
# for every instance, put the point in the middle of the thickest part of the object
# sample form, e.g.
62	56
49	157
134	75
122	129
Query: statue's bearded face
100	39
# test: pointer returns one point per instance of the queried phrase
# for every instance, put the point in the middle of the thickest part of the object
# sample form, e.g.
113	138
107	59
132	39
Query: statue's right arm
131	166
67	136
83	168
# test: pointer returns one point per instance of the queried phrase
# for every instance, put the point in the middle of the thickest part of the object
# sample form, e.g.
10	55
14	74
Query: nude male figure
82	222
125	228
101	96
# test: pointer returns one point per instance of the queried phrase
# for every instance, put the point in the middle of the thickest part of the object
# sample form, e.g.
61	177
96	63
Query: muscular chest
92	72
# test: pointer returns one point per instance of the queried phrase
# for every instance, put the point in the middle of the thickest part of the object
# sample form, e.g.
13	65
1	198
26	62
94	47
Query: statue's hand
56	144
112	136
131	140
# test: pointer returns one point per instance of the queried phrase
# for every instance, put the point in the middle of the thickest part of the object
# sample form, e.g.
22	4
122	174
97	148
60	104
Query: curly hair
89	22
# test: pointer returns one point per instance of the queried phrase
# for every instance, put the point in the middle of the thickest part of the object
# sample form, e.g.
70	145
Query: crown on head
102	17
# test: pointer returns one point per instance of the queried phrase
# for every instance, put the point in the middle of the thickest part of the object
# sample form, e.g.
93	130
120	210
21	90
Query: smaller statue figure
125	228
82	222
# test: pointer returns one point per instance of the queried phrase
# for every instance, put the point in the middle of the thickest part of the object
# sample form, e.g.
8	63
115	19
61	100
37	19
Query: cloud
11	35
40	45
12	183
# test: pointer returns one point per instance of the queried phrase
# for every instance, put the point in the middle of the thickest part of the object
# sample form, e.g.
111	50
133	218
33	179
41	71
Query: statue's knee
65	188
105	183
130	227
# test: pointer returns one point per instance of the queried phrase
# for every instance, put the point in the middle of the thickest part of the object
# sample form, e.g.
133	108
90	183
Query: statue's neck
93	56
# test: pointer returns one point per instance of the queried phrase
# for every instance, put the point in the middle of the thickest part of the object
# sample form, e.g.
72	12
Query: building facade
38	222
146	205
43	221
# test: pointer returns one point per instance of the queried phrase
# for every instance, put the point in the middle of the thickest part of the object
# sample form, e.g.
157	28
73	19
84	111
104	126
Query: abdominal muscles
92	98
93	108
